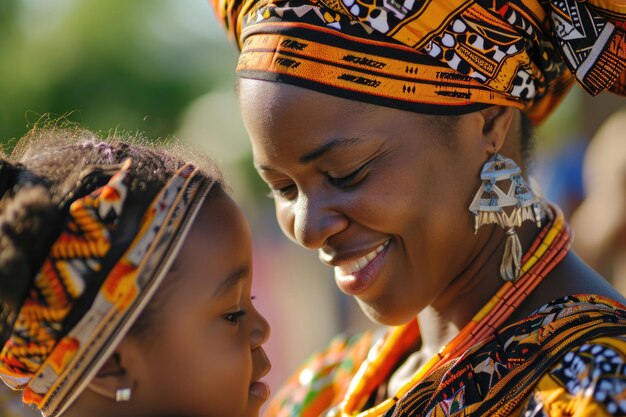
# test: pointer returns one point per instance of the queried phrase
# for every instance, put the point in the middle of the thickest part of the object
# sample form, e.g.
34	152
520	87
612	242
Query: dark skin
348	177
205	351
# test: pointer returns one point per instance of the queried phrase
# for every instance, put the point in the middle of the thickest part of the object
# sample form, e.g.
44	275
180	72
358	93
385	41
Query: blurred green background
134	65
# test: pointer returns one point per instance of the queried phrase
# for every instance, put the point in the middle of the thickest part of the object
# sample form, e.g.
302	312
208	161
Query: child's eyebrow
230	281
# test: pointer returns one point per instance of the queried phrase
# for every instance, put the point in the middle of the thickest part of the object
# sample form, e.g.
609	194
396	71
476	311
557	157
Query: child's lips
260	390
263	365
267	366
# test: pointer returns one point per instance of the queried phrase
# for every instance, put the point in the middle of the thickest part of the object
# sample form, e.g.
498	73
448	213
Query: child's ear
114	379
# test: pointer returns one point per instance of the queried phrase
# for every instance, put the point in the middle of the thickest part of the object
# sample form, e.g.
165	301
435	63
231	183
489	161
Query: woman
125	279
377	125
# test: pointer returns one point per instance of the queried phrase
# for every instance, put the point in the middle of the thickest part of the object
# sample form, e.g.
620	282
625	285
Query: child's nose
260	332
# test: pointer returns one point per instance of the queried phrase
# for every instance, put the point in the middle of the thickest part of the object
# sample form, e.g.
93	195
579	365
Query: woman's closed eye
290	191
350	179
287	192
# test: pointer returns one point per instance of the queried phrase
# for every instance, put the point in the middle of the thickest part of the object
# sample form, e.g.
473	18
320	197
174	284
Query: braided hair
49	169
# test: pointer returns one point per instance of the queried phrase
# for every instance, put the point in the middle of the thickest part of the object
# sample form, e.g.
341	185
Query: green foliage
132	65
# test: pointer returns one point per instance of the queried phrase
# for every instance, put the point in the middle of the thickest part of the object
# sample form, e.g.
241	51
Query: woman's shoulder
590	379
581	341
590	376
323	379
532	366
561	327
579	312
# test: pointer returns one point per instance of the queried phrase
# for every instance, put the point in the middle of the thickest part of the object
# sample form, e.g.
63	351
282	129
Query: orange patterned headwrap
101	271
434	56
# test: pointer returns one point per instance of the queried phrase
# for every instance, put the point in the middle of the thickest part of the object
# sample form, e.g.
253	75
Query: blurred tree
128	64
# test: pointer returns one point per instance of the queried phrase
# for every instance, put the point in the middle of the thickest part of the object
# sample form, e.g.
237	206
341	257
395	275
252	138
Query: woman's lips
354	277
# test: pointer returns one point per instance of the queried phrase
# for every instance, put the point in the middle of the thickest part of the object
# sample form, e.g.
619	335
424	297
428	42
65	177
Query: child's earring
123	394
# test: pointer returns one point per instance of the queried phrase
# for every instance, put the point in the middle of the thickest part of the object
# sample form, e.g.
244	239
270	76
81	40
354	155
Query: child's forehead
218	245
196	288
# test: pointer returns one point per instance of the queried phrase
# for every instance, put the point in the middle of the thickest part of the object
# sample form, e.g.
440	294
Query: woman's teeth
355	266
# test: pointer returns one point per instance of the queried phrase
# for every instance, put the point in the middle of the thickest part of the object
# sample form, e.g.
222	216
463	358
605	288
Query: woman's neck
466	295
469	292
444	319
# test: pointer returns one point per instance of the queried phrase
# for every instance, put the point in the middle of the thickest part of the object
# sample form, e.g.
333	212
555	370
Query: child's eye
233	318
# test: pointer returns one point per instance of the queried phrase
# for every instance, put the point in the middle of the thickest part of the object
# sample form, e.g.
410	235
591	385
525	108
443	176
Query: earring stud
123	394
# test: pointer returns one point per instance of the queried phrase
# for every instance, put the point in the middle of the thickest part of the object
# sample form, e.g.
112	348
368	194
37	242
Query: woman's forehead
271	97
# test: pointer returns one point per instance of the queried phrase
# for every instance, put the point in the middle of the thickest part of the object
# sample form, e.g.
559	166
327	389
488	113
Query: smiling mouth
353	267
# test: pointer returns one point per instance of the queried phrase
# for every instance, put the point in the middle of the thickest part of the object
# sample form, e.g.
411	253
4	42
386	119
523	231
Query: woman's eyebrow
230	281
327	147
332	144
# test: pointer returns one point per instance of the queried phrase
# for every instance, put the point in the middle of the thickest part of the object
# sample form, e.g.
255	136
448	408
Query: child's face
205	353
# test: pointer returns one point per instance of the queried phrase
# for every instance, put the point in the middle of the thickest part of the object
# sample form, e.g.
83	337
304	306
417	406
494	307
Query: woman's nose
314	221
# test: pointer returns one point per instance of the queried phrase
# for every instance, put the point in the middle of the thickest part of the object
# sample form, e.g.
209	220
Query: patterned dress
566	359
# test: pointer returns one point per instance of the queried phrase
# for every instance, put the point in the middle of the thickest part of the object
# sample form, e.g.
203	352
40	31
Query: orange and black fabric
434	56
112	252
568	358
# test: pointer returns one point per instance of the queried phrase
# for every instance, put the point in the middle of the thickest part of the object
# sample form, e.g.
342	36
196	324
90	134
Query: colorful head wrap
98	276
434	56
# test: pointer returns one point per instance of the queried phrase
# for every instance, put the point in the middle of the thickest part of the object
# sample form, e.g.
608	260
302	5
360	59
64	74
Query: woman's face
381	194
203	356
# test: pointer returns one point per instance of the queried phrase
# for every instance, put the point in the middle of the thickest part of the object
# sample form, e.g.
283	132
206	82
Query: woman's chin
386	314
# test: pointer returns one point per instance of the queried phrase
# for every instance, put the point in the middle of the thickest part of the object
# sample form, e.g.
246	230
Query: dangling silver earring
123	394
490	202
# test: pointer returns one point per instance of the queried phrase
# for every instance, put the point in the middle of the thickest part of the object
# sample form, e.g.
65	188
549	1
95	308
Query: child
125	280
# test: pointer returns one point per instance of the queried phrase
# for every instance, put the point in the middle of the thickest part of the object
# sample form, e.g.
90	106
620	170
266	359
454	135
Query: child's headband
97	278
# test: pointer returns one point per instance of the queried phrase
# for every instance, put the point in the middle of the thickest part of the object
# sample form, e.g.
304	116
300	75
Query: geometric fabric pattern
433	56
566	357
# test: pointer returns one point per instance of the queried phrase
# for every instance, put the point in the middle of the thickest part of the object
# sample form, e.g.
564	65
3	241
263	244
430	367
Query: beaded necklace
548	249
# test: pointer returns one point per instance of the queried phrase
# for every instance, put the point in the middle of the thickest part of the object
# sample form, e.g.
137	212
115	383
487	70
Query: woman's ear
496	125
115	379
